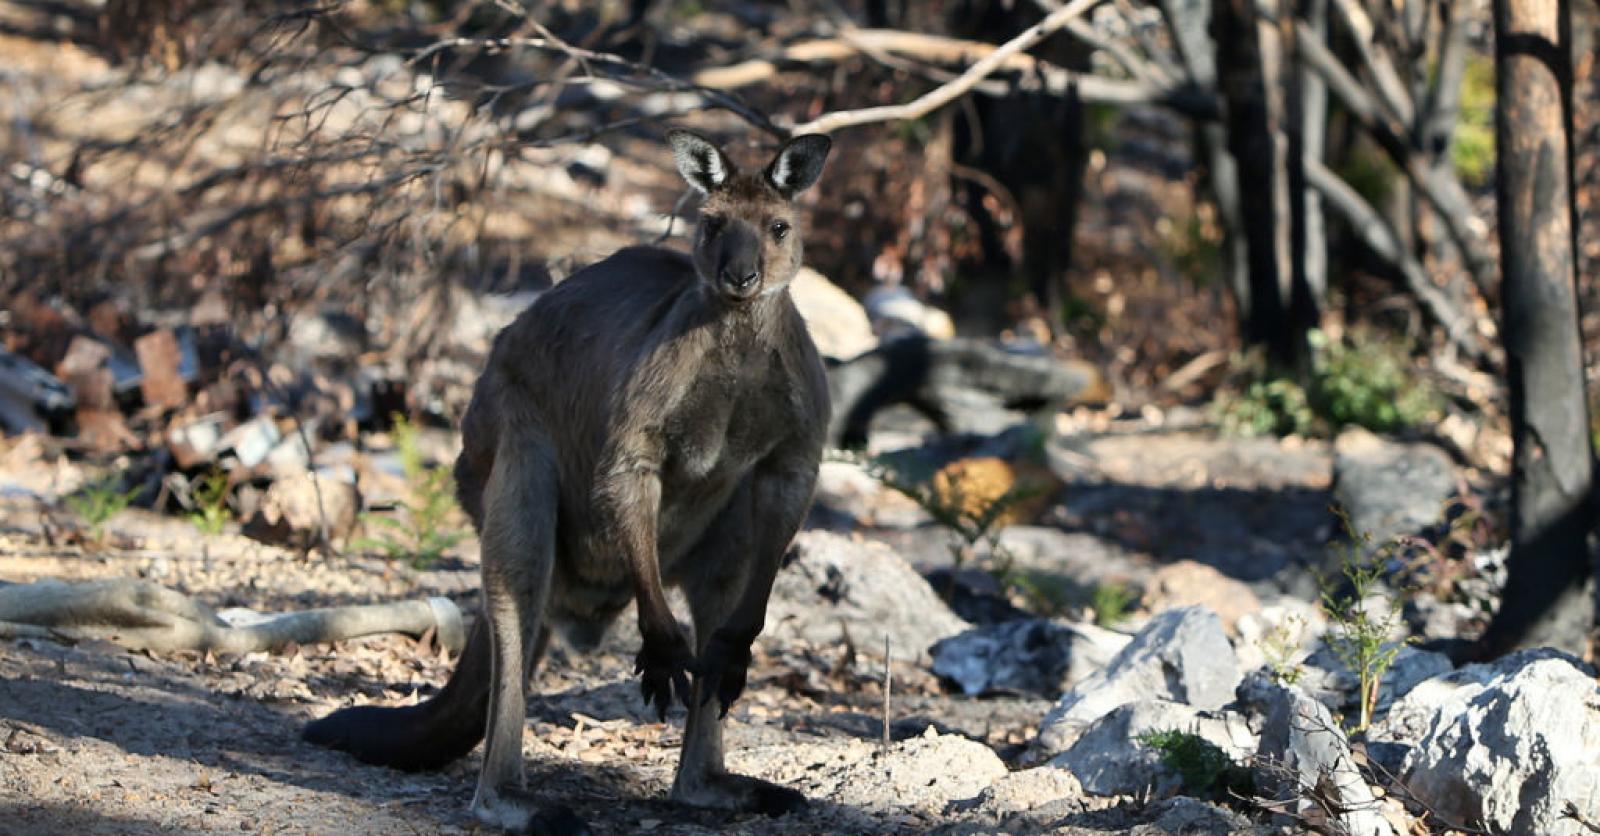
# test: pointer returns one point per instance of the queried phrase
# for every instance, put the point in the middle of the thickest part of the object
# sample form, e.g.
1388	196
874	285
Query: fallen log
957	384
139	615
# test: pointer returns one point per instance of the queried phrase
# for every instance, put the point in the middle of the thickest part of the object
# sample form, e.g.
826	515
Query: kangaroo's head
748	243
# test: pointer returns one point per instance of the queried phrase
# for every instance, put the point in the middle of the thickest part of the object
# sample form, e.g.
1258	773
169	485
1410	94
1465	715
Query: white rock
837	586
1304	753
1510	745
1182	655
1037	656
1108	758
837	322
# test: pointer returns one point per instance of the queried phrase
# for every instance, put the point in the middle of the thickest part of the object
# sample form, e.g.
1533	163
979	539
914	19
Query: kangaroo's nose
740	279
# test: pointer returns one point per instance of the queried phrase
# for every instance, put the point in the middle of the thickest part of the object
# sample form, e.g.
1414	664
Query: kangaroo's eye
712	224
780	230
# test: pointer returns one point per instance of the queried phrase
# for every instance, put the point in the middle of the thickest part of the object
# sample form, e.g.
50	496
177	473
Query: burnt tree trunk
1547	600
1261	109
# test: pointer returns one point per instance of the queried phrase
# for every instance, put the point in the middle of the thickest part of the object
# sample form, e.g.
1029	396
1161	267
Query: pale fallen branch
140	615
946	93
1031	72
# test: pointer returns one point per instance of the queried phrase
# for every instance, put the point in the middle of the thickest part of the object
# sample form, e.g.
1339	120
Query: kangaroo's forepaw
723	669
727	791
663	666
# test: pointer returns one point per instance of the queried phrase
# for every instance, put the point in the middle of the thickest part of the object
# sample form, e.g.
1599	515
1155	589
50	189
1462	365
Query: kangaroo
656	419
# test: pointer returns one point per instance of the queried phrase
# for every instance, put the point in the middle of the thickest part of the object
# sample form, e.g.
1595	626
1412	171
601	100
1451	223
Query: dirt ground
95	739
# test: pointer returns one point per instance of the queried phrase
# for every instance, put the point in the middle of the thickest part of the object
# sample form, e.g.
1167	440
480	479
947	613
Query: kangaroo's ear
798	164
700	162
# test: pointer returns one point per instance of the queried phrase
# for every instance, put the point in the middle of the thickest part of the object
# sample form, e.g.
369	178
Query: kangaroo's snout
739	268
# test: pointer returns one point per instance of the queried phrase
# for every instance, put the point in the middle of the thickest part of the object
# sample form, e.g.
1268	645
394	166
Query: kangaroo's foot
728	791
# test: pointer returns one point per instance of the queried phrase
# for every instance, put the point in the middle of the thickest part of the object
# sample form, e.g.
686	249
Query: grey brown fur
656	419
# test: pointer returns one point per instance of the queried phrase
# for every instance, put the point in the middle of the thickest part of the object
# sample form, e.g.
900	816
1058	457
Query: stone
291	512
1188	582
1109	759
85	368
31	399
837	322
837	588
161	360
1390	488
894	311
252	440
1304	762
1184	815
1181	655
923	774
1510	746
1027	656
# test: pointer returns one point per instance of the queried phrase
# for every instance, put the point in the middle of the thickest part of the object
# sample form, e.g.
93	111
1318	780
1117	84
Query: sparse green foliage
210	493
1206	770
1364	380
1111	602
1280	645
97	502
1472	146
1266	407
1367	381
1356	634
419	534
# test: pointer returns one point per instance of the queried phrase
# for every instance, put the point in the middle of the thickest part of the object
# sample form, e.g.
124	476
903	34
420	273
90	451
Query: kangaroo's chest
723	427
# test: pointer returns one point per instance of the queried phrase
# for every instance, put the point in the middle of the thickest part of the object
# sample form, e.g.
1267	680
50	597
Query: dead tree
1548	598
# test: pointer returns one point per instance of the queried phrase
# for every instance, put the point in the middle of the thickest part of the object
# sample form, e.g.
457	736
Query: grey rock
1390	488
1183	815
1032	656
1108	758
837	587
1303	752
1510	746
1182	655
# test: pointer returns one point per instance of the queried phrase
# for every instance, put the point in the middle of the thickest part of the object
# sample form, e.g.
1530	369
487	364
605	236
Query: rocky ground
97	739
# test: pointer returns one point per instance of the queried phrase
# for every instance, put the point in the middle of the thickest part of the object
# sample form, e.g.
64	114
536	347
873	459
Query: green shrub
1368	381
1266	407
1206	770
421	534
1365	380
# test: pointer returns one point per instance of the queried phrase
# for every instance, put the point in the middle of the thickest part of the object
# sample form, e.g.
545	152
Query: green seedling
210	512
1111	603
422	532
1358	636
97	502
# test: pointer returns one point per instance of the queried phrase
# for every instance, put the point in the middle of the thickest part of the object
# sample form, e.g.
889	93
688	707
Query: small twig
887	677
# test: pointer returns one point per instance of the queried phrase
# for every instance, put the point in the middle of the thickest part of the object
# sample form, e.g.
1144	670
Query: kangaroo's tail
418	737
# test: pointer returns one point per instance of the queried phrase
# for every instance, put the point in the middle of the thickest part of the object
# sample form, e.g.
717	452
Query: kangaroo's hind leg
519	520
734	569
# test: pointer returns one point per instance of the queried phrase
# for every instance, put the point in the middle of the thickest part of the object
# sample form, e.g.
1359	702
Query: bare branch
1378	235
947	93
